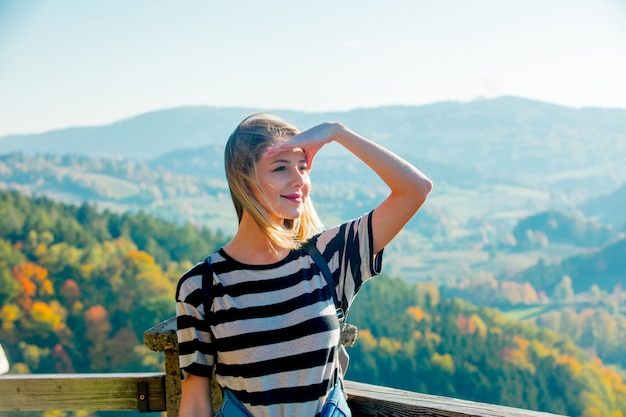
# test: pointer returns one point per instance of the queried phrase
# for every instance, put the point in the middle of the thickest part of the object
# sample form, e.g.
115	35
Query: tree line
79	286
410	337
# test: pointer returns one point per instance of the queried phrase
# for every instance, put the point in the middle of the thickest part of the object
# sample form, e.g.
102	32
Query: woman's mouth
296	198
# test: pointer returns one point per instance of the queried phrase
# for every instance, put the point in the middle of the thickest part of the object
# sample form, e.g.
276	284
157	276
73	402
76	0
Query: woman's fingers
310	141
309	151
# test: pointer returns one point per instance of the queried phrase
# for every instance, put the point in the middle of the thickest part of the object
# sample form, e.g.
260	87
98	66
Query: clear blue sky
78	62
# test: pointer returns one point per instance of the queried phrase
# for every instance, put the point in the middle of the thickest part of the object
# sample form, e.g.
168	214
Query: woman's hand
408	185
310	141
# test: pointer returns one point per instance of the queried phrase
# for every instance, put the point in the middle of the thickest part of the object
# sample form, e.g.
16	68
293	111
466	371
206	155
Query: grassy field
422	264
527	312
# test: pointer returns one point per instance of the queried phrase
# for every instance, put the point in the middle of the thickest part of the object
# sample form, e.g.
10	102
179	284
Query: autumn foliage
79	287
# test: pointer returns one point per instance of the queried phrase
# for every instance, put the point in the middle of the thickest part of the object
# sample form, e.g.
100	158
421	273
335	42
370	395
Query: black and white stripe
273	328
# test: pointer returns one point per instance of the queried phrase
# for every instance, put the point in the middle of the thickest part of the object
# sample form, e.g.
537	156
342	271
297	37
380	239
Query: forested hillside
494	163
78	287
560	227
411	338
580	295
609	208
603	267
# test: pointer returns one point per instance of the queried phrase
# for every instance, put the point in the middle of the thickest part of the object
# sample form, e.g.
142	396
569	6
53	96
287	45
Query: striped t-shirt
273	332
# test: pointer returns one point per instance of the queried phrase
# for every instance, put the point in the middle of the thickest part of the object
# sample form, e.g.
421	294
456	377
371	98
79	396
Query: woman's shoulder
190	281
356	225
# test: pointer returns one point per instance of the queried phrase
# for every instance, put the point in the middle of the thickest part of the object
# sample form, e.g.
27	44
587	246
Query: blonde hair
244	148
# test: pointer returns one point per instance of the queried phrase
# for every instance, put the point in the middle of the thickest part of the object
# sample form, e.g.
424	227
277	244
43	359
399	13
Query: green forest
79	286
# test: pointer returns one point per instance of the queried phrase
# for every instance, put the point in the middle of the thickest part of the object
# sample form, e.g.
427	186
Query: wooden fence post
162	338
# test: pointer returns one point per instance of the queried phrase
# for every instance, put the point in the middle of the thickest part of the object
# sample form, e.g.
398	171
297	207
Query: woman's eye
280	168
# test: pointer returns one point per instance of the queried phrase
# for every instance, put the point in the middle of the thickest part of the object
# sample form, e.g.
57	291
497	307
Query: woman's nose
299	177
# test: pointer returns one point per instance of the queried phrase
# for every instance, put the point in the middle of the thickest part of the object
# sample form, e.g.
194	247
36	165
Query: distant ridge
155	133
527	146
144	136
494	162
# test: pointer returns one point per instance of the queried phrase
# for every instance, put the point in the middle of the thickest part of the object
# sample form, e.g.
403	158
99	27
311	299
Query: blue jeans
231	407
335	405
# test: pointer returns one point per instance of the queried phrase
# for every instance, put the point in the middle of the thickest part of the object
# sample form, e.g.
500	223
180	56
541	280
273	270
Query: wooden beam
73	392
367	400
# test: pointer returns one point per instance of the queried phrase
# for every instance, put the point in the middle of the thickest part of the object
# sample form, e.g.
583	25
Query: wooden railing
92	392
161	391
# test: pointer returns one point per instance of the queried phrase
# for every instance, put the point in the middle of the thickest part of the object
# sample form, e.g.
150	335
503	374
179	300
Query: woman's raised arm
409	186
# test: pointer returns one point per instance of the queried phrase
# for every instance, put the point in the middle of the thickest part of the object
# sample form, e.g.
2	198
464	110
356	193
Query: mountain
493	162
560	227
144	136
608	208
505	139
603	267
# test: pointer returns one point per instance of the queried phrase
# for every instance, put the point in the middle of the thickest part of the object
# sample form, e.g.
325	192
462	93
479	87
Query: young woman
272	332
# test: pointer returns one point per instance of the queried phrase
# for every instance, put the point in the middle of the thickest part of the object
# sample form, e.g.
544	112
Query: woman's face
283	184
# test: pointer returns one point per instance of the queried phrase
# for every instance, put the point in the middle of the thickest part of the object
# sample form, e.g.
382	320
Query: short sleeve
348	249
196	353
